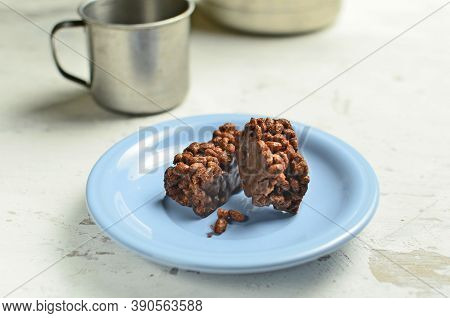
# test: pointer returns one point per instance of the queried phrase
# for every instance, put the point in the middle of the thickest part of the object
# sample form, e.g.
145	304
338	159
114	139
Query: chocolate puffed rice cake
271	168
205	174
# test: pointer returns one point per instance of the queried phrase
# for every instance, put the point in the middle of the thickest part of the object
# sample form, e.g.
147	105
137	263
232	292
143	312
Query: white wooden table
394	107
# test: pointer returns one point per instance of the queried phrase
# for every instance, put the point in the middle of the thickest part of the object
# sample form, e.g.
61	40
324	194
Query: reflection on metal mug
138	53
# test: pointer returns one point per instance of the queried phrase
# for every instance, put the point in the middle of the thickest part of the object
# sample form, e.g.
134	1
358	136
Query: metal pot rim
269	11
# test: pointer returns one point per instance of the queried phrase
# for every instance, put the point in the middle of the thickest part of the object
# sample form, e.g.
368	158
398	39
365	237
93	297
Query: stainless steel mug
138	53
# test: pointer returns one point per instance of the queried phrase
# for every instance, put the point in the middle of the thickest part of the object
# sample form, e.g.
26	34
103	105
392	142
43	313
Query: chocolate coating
205	174
271	168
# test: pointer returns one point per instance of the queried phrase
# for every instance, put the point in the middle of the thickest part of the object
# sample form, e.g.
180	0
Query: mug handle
56	28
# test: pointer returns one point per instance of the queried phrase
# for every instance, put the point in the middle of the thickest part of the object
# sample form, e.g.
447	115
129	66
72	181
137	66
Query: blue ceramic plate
125	196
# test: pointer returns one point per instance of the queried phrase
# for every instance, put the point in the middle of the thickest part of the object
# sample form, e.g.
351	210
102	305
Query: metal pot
272	16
